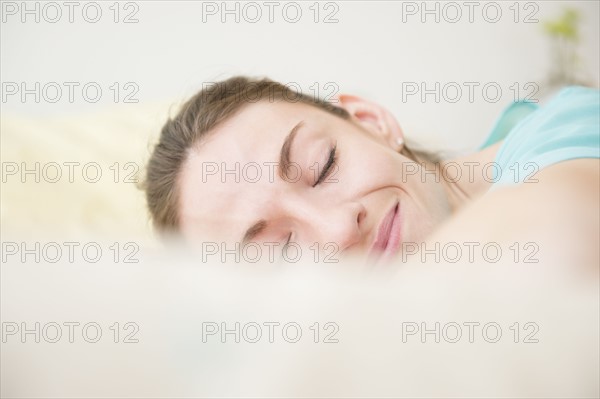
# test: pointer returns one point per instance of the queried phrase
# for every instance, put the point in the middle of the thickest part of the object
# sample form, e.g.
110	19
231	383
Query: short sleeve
567	127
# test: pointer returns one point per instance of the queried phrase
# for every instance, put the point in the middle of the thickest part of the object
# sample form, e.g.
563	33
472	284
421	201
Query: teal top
567	127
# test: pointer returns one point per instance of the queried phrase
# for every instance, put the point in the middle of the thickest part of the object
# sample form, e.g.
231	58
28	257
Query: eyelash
331	162
288	241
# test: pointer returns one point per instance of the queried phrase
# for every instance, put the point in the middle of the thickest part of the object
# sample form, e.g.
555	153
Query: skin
346	208
559	214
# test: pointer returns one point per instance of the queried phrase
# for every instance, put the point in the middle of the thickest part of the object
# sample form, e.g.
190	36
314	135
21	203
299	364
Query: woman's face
347	187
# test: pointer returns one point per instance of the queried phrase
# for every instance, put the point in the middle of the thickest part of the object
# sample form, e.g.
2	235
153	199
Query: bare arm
559	213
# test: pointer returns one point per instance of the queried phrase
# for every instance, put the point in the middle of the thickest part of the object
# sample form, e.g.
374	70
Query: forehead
214	193
255	126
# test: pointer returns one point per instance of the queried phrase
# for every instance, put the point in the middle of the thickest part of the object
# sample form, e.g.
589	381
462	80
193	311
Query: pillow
73	175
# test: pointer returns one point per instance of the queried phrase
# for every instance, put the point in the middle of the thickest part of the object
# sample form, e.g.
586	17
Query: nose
340	224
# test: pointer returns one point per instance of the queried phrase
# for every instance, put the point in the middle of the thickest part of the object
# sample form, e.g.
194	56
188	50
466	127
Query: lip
388	236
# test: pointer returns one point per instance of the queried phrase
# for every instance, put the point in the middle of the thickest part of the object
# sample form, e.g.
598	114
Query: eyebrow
253	231
283	166
286	149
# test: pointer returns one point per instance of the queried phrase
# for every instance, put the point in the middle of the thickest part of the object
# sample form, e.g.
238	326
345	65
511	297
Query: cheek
370	165
419	185
366	175
427	205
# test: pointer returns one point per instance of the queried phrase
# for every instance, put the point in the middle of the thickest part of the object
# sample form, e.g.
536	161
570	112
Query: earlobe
399	143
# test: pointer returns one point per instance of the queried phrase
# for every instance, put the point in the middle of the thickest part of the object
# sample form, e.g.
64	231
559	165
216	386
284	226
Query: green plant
564	35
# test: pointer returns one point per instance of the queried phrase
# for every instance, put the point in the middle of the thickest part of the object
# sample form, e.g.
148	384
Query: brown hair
199	115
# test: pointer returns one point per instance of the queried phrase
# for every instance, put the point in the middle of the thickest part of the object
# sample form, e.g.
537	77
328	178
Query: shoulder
558	212
565	128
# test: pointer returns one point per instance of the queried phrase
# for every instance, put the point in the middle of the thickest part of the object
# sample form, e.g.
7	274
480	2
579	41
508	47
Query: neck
467	178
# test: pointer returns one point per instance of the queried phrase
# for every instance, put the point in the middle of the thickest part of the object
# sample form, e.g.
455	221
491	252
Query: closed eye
329	164
285	246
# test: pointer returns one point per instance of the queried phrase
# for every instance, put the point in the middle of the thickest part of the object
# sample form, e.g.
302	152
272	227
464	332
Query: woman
252	161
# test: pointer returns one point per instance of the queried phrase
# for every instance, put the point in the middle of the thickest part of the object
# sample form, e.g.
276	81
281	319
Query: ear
374	118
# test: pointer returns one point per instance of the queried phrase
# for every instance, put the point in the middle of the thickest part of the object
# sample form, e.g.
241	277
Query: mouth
388	236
